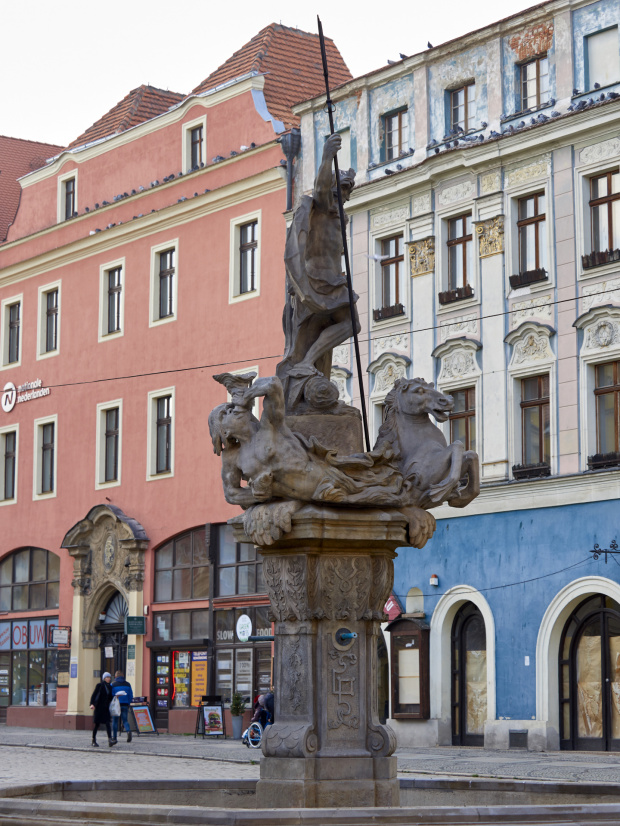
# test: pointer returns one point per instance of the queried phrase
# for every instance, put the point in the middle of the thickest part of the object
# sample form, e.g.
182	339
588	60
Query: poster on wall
199	676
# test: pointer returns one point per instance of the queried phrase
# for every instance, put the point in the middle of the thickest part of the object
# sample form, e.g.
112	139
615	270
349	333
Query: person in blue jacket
121	689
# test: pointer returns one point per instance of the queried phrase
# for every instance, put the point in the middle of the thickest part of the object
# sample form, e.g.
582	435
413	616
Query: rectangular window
240	568
460	252
463	417
607	393
164	430
396	134
14	328
196	142
535	83
391	294
463	107
166	283
69	199
535	420
602	58
51	321
9	439
114	289
111	444
532	227
605	211
47	458
248	248
410	670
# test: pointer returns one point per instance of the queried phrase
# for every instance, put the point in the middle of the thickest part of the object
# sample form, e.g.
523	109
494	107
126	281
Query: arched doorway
469	677
589	676
112	638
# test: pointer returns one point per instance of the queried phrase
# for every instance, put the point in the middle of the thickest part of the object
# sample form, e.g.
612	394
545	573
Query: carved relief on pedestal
491	236
601	331
600	294
343	700
530	344
386	370
422	256
539	308
458	360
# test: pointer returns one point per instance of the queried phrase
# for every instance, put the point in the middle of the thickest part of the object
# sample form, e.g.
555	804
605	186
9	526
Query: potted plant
237	707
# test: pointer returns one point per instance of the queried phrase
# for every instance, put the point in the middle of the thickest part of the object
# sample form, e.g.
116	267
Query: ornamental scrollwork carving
387	369
597	295
290	740
490	236
530	344
422	256
539	307
458	359
601	330
462	325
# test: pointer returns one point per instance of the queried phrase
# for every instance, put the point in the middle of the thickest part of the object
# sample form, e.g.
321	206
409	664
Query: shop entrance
112	638
469	677
589	662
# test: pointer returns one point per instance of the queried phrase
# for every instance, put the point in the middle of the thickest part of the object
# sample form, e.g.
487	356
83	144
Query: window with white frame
607	395
49	320
195	144
160	460
164	282
460	252
395	133
244	281
8	454
391	283
602	58
463	107
535	83
535	420
532	231
112	299
463	417
108	465
11	333
45	457
605	211
67	196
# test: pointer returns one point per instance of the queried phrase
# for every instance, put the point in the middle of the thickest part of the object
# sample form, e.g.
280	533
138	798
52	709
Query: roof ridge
29	140
132	109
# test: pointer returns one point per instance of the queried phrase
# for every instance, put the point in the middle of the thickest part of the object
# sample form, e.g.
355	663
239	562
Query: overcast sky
63	64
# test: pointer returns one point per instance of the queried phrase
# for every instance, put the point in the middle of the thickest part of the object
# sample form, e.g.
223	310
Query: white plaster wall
422	298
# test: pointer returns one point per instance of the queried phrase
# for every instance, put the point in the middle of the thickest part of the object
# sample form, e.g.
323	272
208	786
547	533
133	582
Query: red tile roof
291	61
138	106
17	158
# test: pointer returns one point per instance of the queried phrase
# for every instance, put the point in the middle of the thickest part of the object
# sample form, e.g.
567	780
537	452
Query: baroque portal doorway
589	676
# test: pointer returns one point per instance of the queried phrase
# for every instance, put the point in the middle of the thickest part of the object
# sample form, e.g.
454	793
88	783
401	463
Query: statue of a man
317	315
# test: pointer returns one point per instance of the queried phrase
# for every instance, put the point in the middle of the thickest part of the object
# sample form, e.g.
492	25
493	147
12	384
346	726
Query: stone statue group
300	450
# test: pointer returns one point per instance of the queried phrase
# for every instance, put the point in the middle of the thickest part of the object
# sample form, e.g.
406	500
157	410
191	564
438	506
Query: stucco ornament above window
530	344
422	256
491	182
525	173
387	369
458	360
491	236
602	294
600	151
459	326
601	330
539	308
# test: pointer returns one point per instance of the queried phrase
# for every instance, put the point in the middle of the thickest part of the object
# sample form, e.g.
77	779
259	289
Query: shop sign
24	393
199	677
24	634
60	635
135	625
244	627
392	608
63	660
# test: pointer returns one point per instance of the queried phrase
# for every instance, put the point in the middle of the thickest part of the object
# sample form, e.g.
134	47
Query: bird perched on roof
429	45
403	56
597	85
391	62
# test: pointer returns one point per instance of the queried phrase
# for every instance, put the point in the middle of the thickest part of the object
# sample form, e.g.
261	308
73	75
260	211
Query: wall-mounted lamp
101	617
434	580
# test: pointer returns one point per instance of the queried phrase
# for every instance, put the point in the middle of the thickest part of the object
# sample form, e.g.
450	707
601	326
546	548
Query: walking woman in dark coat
100	703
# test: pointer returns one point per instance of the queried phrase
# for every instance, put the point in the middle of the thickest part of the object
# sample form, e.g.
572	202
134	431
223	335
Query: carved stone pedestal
328	578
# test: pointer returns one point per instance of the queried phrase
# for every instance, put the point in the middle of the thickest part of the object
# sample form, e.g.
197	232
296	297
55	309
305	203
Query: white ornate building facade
485	248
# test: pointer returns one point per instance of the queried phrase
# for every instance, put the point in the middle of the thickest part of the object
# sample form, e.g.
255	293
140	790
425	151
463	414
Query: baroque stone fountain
327	518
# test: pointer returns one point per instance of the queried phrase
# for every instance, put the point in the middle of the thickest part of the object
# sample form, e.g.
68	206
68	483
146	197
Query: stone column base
327	782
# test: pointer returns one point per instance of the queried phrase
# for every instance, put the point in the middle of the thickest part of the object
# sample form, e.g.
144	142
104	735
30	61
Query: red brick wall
532	41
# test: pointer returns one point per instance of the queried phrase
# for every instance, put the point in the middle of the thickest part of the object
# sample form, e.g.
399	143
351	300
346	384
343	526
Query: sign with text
198	676
60	635
244	627
131	652
12	395
135	625
63	660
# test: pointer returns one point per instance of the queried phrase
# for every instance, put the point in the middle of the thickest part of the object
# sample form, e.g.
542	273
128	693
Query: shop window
28	664
182	570
463	417
395	134
410	669
535	428
535	83
463	107
242	666
391	288
29	580
239	566
602	58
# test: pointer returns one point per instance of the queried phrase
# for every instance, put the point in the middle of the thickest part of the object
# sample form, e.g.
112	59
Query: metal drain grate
517	739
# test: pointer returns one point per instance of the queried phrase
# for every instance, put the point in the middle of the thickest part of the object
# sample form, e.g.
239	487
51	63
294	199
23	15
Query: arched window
469	677
415	601
182	568
29	580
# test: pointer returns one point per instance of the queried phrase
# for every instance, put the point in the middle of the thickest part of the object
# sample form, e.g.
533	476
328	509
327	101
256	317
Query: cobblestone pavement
36	755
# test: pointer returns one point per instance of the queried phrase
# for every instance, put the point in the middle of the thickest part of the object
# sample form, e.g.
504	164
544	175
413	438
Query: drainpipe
291	144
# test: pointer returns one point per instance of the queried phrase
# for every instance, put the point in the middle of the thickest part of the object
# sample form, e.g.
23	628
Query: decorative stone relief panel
398	341
530	344
601	331
422	256
528	172
341	354
386	217
464	324
531	308
387	369
459	192
491	236
491	182
458	360
422	204
600	151
340	377
605	292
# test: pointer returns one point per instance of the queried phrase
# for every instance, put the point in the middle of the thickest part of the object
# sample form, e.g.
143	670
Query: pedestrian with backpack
122	691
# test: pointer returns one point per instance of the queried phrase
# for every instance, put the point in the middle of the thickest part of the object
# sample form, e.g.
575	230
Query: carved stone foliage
531	308
528	172
530	344
336	587
600	151
340	378
459	192
604	292
398	341
422	203
387	369
491	236
422	256
461	325
458	360
601	330
341	354
491	182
